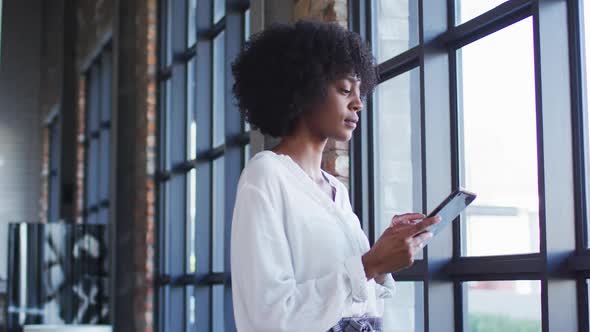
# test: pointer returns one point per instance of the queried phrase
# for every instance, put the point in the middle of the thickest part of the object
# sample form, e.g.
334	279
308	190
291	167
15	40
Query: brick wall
335	159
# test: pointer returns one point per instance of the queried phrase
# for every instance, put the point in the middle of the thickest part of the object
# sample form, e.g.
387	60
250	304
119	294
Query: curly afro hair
284	71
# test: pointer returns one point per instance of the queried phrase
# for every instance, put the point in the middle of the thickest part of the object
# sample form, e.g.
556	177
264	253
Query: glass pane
192	200
191	110
191	307
247	24
165	134
167	37
192	23
191	227
398	165
586	73
247	152
497	144
218	225
53	210
92	173
104	164
217	307
396	27
54	146
513	305
105	90
218	10
405	311
468	9
94	100
219	90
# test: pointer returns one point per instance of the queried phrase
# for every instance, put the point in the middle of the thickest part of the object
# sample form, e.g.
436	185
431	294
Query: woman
300	260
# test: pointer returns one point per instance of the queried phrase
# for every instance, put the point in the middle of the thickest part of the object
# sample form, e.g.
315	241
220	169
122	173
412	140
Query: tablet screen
450	209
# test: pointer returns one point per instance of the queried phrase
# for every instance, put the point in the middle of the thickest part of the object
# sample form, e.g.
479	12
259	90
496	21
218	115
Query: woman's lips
350	123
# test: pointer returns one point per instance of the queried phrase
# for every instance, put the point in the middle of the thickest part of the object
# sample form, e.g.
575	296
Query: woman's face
336	116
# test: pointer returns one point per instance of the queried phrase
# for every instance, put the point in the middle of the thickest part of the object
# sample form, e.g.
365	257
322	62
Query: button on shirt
295	253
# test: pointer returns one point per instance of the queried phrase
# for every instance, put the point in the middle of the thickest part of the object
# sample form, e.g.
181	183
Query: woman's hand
398	244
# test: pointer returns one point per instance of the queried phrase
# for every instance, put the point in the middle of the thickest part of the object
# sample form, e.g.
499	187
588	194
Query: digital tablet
449	210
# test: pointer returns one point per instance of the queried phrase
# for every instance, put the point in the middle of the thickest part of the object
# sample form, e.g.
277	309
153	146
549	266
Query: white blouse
295	253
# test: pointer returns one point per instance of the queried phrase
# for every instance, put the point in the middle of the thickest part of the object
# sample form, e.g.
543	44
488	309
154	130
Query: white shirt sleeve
387	288
266	294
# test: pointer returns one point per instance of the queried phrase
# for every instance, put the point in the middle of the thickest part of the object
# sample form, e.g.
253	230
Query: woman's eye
345	91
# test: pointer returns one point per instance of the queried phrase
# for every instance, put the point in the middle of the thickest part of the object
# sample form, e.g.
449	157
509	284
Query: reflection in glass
397	148
218	10
192	175
218	222
468	9
217	307
513	305
396	27
191	305
219	90
404	312
497	142
192	23
247	24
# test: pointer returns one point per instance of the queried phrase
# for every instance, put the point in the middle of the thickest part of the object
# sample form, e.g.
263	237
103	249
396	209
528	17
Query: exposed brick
80	150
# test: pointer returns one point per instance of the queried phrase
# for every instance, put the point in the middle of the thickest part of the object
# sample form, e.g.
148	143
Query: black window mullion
435	88
579	114
558	295
360	156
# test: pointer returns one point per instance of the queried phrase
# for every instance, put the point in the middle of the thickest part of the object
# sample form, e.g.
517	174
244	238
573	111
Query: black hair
284	71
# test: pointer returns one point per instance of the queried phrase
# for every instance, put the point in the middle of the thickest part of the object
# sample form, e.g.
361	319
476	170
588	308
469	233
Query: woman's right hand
397	246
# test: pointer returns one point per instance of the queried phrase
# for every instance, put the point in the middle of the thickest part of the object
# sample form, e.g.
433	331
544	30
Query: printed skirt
358	324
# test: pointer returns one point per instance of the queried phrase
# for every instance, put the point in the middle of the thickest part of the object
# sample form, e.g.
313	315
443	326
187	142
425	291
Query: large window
487	309
498	142
466	10
482	95
97	129
203	145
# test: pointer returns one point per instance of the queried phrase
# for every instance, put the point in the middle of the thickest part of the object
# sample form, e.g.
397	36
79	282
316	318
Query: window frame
443	269
101	65
175	283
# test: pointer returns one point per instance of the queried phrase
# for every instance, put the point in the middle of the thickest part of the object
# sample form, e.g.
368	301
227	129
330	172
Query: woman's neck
306	152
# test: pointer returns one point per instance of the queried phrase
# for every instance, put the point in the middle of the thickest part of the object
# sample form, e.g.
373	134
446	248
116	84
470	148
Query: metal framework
97	136
562	263
202	142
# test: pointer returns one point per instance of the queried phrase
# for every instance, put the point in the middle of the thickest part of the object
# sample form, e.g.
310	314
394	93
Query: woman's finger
421	226
406	218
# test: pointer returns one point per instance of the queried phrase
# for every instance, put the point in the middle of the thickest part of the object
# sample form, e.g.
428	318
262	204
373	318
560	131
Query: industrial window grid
203	145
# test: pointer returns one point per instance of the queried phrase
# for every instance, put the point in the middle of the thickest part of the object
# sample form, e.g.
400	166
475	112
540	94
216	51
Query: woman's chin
343	137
